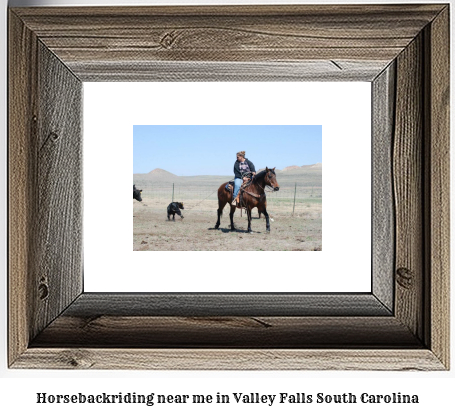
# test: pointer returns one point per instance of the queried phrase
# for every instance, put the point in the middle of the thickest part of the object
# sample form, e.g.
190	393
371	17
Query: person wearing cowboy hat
242	166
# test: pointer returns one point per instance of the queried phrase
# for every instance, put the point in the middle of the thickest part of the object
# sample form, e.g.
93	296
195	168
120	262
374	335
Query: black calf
137	194
174	208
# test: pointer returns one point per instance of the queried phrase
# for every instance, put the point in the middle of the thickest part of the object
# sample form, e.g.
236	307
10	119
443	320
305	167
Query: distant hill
312	166
290	168
302	169
306	175
276	170
164	177
297	169
160	174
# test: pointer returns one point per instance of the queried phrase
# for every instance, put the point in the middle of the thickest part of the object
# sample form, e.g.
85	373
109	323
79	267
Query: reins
254	194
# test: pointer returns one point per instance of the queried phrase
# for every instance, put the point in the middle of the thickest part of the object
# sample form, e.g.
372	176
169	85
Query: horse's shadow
229	230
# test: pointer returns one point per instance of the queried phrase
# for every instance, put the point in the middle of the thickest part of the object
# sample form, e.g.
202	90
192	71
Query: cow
137	194
174	208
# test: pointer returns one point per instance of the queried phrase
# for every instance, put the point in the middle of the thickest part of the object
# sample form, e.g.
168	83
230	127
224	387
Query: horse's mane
260	175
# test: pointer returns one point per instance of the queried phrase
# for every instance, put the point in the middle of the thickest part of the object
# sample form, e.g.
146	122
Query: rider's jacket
238	173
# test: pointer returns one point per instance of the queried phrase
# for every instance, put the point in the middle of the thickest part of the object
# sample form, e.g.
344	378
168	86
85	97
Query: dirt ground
196	232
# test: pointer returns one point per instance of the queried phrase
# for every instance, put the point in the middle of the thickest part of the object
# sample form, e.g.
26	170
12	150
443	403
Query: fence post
295	191
172	191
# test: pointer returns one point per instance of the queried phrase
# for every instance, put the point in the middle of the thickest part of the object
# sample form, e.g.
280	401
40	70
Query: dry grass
153	232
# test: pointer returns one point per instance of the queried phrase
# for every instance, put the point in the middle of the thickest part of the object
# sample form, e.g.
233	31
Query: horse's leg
173	217
267	222
221	205
231	216
248	212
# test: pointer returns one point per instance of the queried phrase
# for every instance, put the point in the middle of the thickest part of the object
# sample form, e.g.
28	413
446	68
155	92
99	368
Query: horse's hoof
217	226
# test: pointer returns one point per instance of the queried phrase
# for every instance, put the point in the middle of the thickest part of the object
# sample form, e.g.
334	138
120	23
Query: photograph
193	191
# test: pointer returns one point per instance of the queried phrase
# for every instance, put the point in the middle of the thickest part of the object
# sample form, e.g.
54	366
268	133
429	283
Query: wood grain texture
53	49
408	188
383	215
438	193
22	95
45	185
256	332
227	34
307	71
235	359
89	305
58	244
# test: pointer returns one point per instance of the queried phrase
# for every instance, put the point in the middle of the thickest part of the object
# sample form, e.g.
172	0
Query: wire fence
292	199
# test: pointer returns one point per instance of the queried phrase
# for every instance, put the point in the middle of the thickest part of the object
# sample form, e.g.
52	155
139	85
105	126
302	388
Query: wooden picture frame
403	324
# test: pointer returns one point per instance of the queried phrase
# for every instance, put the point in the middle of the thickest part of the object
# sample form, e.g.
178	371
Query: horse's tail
223	198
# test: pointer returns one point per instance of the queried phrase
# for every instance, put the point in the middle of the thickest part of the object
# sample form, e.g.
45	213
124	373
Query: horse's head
137	194
180	205
270	179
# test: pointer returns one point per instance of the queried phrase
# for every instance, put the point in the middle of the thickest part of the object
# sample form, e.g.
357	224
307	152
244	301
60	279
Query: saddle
230	185
239	199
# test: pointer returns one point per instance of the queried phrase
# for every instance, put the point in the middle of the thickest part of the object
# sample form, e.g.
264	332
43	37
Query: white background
18	388
343	110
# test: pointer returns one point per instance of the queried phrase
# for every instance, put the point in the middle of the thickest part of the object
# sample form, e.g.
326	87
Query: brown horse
252	196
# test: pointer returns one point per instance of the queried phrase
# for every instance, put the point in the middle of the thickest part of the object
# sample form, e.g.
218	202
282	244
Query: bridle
267	185
259	196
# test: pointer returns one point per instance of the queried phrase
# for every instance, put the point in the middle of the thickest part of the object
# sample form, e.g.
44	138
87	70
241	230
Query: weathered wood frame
403	324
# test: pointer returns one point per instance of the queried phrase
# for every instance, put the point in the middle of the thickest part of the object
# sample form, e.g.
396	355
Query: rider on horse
242	166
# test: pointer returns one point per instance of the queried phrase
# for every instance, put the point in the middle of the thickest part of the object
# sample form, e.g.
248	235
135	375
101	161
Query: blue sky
189	150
